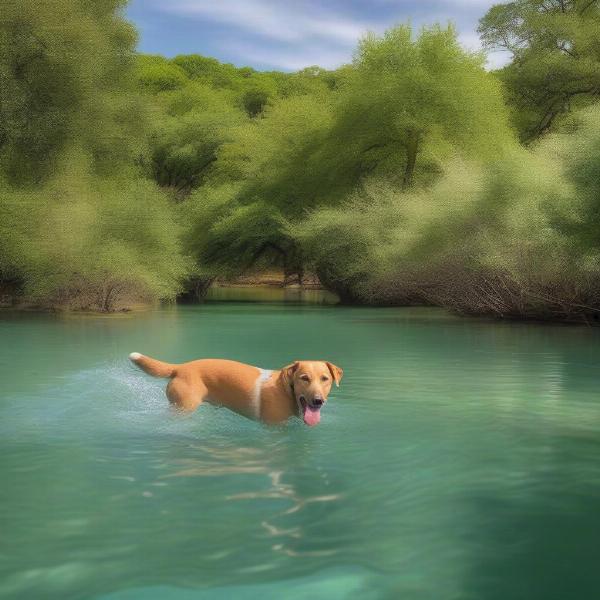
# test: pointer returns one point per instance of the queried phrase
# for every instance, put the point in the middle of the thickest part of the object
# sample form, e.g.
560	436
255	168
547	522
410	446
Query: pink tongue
312	415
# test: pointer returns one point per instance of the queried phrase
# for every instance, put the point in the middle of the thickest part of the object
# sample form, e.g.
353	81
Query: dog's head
310	382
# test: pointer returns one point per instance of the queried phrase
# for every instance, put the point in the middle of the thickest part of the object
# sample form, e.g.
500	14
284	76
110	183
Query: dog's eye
305	377
324	378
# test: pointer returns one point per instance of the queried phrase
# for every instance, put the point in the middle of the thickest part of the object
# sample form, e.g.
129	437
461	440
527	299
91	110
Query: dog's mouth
311	411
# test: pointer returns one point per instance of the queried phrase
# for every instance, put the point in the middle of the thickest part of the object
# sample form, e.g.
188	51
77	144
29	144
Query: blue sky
290	34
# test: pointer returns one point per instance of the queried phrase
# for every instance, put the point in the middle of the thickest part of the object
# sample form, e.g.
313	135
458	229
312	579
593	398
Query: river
459	459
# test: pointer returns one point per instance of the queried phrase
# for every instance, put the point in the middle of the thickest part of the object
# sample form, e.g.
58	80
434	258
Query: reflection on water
459	459
270	294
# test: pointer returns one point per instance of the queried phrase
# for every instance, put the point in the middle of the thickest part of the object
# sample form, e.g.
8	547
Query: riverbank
267	286
271	278
271	286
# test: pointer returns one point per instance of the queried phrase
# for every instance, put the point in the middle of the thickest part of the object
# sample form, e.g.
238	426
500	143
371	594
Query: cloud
495	60
284	22
293	34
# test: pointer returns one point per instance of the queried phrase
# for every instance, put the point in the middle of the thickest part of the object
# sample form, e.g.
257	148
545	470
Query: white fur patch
263	376
135	356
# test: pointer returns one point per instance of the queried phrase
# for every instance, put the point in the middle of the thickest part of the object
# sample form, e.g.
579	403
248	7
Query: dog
299	389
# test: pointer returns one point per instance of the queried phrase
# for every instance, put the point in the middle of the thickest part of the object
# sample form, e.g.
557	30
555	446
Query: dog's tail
153	367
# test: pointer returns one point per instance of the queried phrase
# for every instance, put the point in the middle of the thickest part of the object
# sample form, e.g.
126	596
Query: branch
588	5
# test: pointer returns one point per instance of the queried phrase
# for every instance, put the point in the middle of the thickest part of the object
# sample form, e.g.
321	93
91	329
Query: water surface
460	459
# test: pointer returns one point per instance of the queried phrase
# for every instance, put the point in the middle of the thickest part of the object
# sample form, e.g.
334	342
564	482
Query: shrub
157	74
514	238
91	243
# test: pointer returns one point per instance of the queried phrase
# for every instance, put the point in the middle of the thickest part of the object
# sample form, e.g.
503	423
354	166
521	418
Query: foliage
273	162
79	226
158	74
397	178
192	124
409	102
517	237
313	150
556	57
64	78
90	242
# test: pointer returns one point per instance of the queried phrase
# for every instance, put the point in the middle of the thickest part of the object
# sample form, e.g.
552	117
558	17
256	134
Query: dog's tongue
312	415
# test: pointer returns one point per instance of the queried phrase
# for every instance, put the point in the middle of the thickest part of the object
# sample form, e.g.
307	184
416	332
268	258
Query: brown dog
300	389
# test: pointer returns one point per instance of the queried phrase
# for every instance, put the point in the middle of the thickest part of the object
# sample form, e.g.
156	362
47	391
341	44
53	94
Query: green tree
158	74
209	70
517	237
252	89
79	226
83	241
65	67
410	102
403	106
556	57
271	160
190	126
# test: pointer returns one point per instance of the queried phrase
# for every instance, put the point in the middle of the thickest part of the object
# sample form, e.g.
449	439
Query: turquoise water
459	459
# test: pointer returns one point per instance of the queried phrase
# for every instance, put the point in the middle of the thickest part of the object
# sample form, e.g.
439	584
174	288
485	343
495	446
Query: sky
288	35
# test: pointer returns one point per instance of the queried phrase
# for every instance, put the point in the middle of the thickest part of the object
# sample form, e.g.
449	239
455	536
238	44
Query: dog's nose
318	401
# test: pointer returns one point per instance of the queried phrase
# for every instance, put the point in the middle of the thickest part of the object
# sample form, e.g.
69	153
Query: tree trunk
412	149
201	287
301	275
196	289
334	282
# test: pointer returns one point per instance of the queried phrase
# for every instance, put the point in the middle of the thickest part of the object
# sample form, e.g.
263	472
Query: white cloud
284	22
494	60
498	59
469	41
295	34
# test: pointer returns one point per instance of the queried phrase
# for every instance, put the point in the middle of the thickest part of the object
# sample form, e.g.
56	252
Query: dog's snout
318	401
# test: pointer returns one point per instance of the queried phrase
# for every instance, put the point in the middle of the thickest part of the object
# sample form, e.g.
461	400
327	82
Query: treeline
411	175
80	225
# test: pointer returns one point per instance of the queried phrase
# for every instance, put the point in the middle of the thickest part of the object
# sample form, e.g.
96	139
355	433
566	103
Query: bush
515	238
534	250
91	243
157	74
184	142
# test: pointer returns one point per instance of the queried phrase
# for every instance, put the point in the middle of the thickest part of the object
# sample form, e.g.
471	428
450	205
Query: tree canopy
65	78
555	46
80	226
405	105
410	101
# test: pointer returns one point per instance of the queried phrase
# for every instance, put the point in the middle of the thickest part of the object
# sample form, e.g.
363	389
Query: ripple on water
457	460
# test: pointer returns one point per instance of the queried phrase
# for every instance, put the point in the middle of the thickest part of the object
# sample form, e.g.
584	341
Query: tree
252	89
271	161
556	57
191	125
79	225
158	74
409	102
65	68
91	242
402	106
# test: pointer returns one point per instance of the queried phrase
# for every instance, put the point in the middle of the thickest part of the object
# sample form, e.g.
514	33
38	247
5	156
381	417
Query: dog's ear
336	373
291	369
